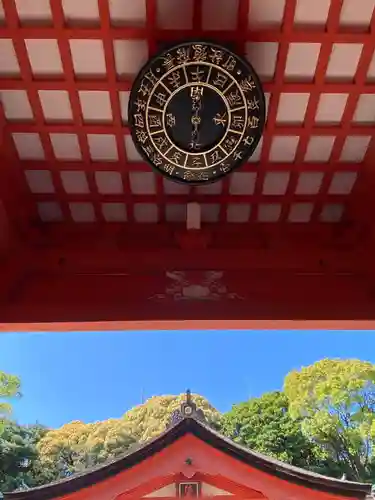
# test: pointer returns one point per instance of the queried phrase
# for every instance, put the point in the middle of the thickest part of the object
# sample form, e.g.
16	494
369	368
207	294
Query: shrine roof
201	430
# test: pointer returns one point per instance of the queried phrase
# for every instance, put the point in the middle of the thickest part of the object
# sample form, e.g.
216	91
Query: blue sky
96	375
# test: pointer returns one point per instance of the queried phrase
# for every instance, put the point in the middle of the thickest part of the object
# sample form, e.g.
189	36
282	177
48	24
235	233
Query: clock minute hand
196	95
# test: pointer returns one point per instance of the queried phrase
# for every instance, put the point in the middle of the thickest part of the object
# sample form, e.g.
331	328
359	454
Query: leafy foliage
336	400
19	462
323	421
148	420
9	388
77	446
264	425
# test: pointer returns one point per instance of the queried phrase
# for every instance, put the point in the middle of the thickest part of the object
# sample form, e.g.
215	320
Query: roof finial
188	409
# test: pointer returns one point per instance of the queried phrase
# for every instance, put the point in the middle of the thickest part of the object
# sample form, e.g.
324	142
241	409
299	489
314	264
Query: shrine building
191	460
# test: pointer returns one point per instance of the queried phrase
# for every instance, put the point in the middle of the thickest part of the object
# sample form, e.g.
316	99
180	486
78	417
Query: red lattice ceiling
66	69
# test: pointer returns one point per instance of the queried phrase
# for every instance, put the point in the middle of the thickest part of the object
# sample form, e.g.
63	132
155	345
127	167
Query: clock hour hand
196	96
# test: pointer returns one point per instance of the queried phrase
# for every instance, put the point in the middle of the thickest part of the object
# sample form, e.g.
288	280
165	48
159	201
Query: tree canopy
9	388
264	424
323	420
335	400
19	458
150	419
77	446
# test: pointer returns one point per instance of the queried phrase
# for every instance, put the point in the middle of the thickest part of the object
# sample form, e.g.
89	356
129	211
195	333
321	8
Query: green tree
336	400
148	420
9	388
19	462
264	425
77	446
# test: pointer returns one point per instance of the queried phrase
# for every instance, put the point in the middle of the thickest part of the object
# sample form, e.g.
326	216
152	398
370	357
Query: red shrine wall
186	295
208	465
145	280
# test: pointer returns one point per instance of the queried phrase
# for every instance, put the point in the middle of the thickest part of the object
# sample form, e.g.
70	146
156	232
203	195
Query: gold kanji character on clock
156	159
220	80
199	52
225	167
174	79
151	77
138	120
197	162
196	92
189	176
148	149
220	119
170	120
141	135
197	75
234	99
203	176
176	157
247	84
160	98
154	121
248	141
253	104
161	142
230	63
215	156
253	122
183	55
167	167
216	56
144	89
230	143
238	121
141	105
168	62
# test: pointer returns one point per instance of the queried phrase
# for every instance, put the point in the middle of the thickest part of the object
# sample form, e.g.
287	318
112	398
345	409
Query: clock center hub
201	118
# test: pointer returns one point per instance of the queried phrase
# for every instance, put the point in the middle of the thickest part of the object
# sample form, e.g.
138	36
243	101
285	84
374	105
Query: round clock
196	112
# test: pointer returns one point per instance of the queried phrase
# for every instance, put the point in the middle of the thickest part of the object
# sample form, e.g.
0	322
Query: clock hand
196	95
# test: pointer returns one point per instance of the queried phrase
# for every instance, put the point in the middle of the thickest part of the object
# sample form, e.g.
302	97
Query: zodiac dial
196	112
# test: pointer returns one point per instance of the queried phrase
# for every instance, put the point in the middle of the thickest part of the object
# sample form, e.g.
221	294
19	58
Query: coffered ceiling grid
66	69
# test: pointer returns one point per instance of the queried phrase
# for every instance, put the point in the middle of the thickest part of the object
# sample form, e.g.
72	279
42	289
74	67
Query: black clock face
196	112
